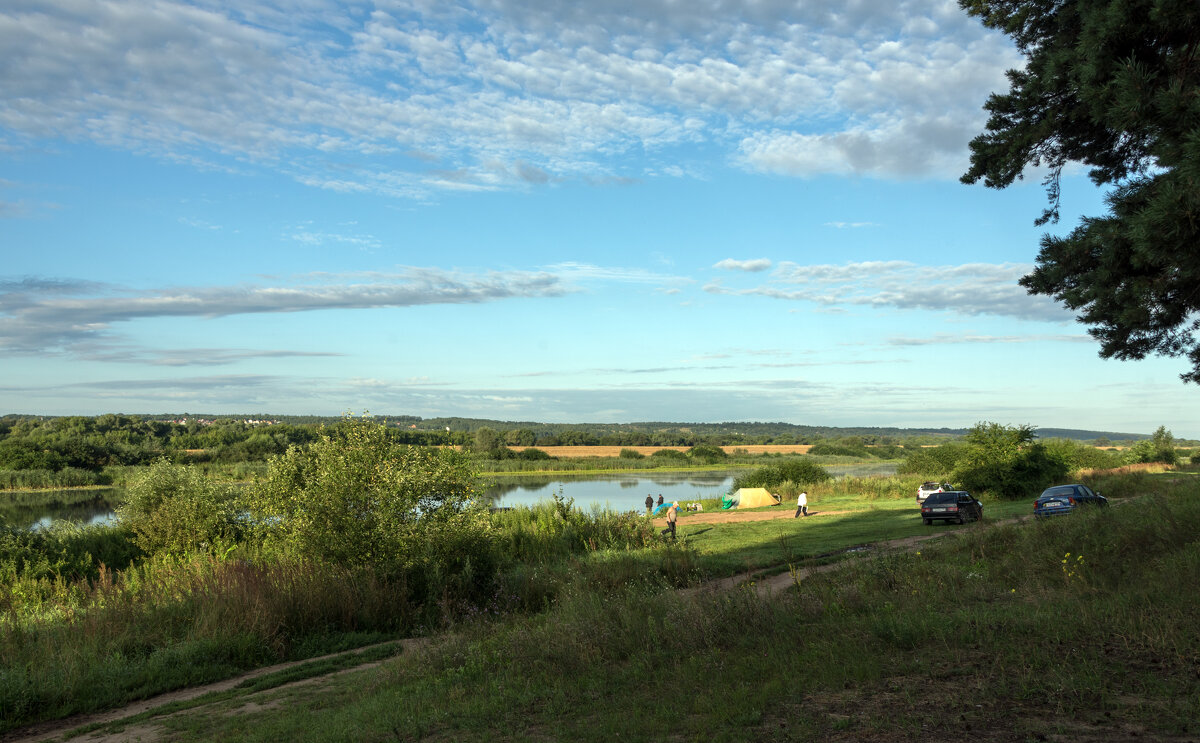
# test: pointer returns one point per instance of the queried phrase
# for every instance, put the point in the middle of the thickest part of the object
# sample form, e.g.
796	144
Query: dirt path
149	732
726	517
145	733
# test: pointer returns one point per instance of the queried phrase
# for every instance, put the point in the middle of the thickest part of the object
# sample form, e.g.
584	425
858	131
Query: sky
532	210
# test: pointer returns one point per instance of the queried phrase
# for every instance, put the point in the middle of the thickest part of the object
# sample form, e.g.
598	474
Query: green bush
828	449
175	508
631	454
1159	448
672	455
706	453
936	462
356	498
1082	456
1004	461
799	471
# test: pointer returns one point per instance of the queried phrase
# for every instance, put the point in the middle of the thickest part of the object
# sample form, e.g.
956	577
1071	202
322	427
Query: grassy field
603	648
1072	629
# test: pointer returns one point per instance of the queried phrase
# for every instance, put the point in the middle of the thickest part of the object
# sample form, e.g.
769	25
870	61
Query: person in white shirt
802	504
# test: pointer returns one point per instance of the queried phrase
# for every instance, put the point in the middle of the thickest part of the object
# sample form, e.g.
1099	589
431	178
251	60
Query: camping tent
750	498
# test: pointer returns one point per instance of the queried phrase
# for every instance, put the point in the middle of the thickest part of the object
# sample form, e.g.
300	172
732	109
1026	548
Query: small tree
355	497
1158	448
175	508
1005	461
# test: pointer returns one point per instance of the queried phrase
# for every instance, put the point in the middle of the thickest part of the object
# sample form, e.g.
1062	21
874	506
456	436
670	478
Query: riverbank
866	651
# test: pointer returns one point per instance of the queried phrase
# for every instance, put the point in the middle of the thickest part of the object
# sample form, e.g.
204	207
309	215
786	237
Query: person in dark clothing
649	503
660	501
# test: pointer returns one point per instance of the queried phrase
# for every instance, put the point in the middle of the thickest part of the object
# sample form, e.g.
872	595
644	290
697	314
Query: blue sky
531	210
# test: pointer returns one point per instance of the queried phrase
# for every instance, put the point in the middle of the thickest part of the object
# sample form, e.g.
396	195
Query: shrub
707	453
798	471
532	454
673	455
1083	457
937	461
631	454
175	508
1002	460
1160	448
357	498
828	449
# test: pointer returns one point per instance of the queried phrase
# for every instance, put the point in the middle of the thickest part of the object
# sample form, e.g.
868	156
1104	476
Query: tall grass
1009	615
77	635
69	477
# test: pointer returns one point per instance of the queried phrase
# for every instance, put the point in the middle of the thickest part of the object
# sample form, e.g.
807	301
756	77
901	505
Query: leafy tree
1158	448
355	497
175	508
1113	84
1005	461
934	461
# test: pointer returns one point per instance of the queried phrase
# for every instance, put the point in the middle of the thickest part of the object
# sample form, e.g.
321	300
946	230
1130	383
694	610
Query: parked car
930	487
951	505
1066	498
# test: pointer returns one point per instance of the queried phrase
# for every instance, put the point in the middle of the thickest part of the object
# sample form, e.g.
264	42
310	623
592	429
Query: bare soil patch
733	515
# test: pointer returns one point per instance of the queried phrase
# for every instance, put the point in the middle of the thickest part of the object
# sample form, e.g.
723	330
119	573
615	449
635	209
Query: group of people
673	511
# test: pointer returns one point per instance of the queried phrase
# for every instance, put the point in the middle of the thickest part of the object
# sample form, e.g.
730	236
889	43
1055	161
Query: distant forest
91	443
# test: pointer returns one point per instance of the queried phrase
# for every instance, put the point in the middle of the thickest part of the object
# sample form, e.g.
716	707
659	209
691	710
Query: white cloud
504	94
969	289
753	265
38	316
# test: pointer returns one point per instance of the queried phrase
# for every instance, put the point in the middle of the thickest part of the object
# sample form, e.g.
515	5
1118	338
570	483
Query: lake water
615	492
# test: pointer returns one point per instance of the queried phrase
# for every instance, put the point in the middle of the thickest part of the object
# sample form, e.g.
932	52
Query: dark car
951	505
1066	498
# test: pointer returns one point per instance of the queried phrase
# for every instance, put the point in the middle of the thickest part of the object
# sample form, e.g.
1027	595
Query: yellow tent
754	497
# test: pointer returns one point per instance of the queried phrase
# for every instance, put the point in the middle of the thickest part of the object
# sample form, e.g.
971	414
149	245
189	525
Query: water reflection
618	492
37	510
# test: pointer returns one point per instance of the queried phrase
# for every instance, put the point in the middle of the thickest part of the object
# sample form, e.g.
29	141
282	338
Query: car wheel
962	520
927	521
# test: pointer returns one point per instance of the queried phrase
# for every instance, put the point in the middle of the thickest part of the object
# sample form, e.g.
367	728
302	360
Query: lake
615	492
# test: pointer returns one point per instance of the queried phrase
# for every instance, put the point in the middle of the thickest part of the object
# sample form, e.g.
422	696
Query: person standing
660	500
649	502
801	504
672	515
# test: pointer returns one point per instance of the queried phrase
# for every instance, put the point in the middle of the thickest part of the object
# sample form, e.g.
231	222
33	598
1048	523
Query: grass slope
1080	628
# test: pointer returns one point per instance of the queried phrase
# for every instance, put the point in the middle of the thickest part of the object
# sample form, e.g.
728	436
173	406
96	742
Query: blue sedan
1066	498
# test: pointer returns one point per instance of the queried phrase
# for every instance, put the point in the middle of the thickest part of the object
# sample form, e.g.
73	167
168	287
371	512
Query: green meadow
1014	629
